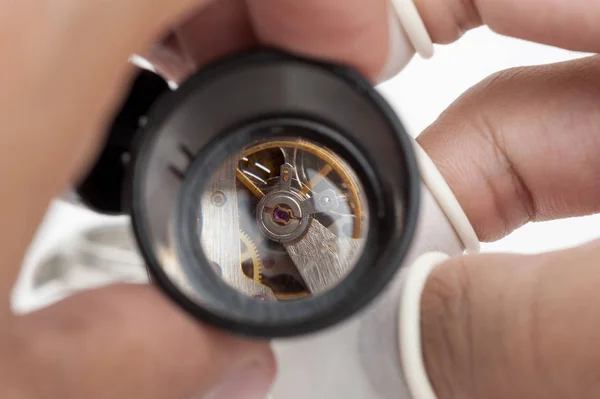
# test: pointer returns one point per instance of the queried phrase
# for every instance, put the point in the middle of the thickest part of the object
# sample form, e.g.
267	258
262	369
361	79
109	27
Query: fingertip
447	21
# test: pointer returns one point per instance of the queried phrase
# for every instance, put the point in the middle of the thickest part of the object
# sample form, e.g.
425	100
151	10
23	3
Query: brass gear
251	253
332	163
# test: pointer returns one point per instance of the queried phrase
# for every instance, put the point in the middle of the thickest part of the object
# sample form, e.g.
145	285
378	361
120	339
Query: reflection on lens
284	219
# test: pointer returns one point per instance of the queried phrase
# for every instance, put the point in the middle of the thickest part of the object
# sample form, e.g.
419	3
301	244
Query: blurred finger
128	342
356	33
62	80
522	146
353	32
567	24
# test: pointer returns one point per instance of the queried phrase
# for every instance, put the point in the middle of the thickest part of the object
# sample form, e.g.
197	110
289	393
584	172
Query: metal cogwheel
251	253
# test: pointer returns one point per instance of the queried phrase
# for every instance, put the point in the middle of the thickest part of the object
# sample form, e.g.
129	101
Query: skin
494	326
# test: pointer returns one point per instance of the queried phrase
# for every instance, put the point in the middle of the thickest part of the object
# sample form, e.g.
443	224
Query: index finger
522	146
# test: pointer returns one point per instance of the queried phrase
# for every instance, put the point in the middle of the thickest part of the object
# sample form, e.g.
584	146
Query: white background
420	94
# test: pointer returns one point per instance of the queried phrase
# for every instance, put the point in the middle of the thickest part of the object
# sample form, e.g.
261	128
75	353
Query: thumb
512	326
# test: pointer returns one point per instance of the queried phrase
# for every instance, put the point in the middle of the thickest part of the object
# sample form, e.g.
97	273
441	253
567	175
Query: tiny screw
218	198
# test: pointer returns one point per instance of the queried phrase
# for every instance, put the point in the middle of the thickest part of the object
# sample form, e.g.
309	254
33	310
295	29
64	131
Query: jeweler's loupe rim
170	102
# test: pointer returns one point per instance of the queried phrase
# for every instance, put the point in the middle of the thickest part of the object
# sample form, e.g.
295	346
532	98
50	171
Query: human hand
521	146
61	82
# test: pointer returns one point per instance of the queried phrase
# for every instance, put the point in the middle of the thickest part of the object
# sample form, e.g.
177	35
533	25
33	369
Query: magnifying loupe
272	195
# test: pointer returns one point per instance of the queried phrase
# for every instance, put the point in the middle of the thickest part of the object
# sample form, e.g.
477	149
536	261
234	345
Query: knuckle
499	87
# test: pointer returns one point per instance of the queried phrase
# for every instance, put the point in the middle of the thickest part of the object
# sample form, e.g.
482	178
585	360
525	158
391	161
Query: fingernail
250	382
400	50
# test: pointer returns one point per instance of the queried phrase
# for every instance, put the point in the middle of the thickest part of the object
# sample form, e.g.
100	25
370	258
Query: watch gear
250	253
259	166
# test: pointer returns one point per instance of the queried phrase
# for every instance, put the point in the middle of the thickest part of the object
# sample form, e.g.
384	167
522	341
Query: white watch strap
414	27
409	328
